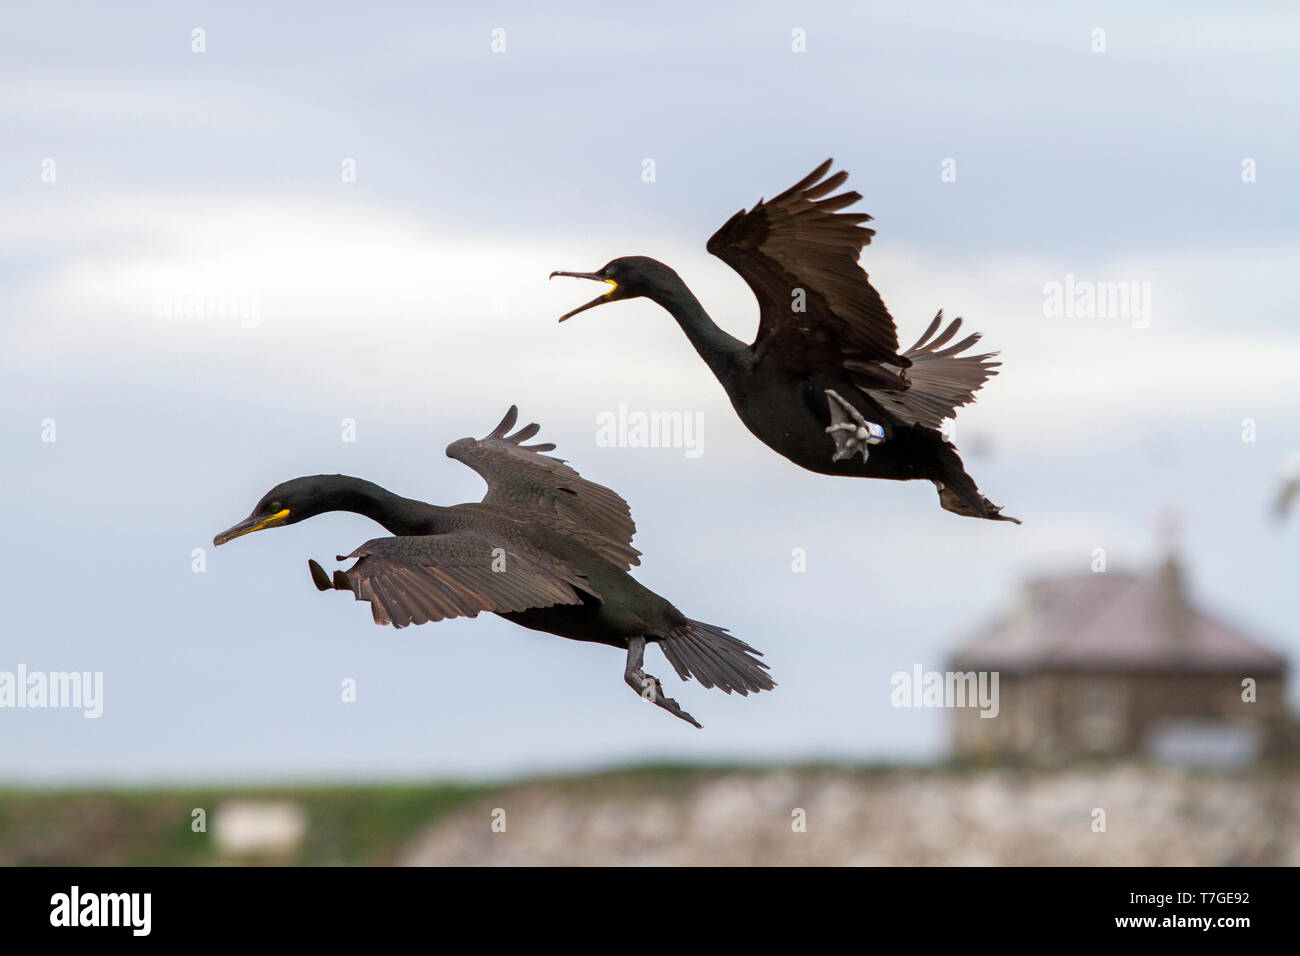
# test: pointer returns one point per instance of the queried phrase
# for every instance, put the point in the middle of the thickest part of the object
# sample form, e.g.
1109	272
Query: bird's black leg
852	432
647	685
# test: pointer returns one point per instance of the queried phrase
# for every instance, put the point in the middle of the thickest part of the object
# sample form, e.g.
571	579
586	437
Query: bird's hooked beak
610	296
249	525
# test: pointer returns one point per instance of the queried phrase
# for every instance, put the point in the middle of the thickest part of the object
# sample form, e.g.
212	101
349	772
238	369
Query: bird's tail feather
957	490
715	658
941	380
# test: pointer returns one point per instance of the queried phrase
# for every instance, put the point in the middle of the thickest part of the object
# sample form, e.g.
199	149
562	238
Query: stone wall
1152	816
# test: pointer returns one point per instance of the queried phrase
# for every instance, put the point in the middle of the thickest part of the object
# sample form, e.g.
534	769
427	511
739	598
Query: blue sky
414	301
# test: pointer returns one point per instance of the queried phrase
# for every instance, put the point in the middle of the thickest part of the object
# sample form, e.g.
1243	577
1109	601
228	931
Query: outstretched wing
799	242
416	579
940	380
522	482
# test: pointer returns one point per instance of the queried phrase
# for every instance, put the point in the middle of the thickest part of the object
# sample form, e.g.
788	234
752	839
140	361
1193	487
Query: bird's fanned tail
941	380
715	659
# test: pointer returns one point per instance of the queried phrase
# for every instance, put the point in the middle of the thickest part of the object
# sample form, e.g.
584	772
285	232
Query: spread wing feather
522	482
417	579
799	245
941	380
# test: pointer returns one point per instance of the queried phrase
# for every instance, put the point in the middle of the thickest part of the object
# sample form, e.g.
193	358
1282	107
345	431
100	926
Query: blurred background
241	244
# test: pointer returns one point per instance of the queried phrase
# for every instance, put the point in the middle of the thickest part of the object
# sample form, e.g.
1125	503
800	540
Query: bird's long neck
718	349
401	516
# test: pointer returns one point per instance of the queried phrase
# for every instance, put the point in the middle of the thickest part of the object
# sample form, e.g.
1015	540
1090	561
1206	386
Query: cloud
275	290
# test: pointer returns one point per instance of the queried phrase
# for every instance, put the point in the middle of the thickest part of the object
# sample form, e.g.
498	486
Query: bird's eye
275	507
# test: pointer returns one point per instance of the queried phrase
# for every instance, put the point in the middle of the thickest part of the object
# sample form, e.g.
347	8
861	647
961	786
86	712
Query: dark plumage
1289	489
824	382
544	548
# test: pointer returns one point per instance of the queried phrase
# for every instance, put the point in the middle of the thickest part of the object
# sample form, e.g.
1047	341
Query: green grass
346	825
367	824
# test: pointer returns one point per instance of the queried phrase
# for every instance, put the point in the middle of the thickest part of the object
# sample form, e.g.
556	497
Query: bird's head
286	503
629	277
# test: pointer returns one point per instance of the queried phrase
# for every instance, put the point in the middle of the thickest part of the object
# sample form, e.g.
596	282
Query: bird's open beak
249	525
604	297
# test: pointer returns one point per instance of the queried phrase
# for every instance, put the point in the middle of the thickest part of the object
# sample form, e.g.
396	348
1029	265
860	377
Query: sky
378	194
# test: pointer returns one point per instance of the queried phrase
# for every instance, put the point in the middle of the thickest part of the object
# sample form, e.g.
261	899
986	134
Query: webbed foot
852	432
647	685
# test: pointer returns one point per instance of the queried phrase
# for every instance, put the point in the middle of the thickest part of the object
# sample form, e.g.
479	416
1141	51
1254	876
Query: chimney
1173	596
1175	610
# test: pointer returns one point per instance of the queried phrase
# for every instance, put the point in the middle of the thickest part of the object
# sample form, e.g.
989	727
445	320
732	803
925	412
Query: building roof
1115	622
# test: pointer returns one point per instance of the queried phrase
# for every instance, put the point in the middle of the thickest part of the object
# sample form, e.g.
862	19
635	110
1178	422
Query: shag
1289	488
824	384
544	548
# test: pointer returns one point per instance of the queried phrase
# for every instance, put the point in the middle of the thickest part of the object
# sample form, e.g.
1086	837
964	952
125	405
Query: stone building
1122	664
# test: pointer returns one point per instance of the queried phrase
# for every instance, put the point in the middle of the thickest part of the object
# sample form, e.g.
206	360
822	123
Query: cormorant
824	384
544	548
1289	489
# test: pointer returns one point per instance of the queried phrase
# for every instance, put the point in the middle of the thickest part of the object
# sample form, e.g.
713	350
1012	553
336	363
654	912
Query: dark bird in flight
1289	489
824	383
544	548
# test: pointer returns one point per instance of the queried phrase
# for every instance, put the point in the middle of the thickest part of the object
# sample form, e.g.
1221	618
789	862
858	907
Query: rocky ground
1151	816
